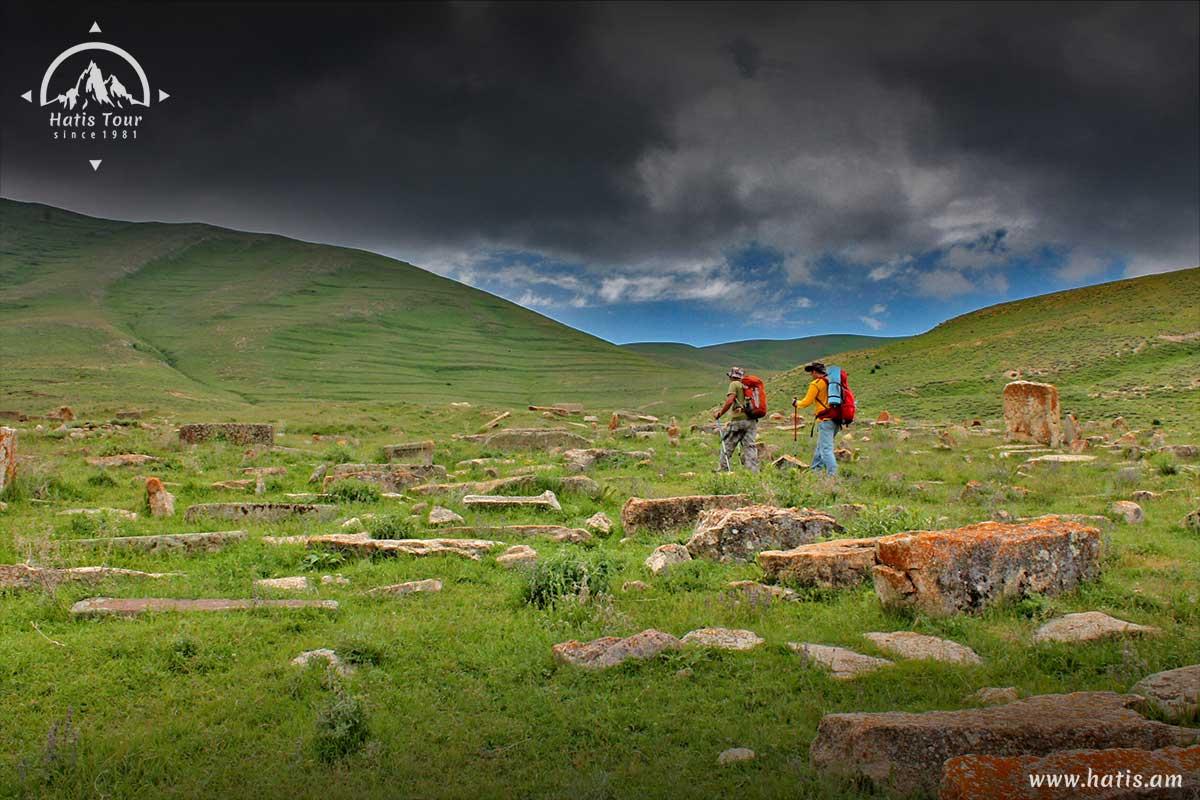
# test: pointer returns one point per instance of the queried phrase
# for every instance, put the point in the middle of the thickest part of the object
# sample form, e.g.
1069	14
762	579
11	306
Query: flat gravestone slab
266	512
131	607
165	543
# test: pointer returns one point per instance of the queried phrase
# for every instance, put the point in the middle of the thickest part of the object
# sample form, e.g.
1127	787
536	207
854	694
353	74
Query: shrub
341	726
876	521
1164	464
321	560
568	574
352	491
100	479
391	526
338	454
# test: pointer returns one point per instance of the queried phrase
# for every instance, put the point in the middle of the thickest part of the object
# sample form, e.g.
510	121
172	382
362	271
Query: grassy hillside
757	355
116	312
1119	348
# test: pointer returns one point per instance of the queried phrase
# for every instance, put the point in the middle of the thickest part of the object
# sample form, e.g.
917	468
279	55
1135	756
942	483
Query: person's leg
726	452
750	446
828	428
818	457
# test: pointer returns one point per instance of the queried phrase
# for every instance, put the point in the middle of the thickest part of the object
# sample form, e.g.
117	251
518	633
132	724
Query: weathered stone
968	569
166	543
1145	495
492	423
611	650
905	752
1192	521
330	658
996	695
232	432
635	586
27	576
828	565
238	485
1114	774
667	556
98	512
785	462
122	460
1174	693
740	534
735	755
1061	458
265	512
520	555
756	592
580	484
476	487
334	580
408	587
410	453
843	454
884	418
8	457
443	516
544	500
1087	626
555	533
533	439
583	459
388	477
160	502
62	414
296	583
1129	511
918	646
599	523
363	544
723	638
129	607
1181	450
843	664
1031	413
665	513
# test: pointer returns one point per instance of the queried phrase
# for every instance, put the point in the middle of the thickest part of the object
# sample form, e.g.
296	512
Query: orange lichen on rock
1031	413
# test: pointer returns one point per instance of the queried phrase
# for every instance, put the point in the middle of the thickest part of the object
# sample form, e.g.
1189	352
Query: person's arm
729	400
809	398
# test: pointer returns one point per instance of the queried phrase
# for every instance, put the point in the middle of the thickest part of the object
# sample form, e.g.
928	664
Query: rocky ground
471	601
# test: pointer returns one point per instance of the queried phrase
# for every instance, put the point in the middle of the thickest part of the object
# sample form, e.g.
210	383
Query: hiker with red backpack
747	397
830	391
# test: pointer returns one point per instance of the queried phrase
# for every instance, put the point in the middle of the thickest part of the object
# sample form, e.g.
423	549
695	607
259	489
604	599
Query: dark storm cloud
648	139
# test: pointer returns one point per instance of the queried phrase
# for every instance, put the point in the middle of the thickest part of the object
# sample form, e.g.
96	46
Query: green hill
1129	348
758	355
186	314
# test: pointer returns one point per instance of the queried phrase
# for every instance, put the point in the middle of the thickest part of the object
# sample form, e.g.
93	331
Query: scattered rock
756	592
408	587
297	583
1192	521
477	487
158	499
324	654
533	439
1060	458
232	432
583	459
835	564
388	477
264	471
555	533
665	513
844	455
240	485
122	460
905	752
27	576
973	490
410	453
735	755
208	542
62	414
1175	693
740	534
917	646
1181	450
99	512
967	569
884	418
1087	626
580	484
492	423
611	650
667	556
544	500
521	555
318	474
129	607
363	544
842	663
1114	772
1129	511
635	586
786	461
265	512
599	523
444	516
334	580
723	638
995	696
1031	413
1145	495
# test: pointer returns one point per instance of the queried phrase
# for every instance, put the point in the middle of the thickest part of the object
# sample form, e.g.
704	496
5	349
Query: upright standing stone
410	453
158	499
8	457
1031	413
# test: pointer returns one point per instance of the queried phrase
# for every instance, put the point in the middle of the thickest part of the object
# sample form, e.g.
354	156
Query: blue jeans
823	458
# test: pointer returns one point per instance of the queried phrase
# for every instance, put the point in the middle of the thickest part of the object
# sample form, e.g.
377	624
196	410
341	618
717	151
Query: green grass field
456	694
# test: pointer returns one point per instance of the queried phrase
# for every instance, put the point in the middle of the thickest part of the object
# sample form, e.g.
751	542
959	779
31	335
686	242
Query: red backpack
841	407
756	397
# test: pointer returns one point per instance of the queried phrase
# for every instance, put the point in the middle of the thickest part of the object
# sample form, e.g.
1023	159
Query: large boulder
533	439
1175	693
666	513
905	752
1117	774
1031	413
8	457
967	569
740	534
841	663
666	556
388	477
827	565
921	647
1088	626
232	432
611	650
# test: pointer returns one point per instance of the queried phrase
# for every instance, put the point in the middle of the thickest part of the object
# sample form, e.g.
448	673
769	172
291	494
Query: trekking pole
795	420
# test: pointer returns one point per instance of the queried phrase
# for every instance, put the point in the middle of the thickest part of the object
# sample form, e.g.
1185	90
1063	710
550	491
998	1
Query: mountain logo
93	87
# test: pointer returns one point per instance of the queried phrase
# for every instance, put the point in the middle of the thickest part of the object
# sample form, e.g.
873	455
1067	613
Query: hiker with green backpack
830	391
747	398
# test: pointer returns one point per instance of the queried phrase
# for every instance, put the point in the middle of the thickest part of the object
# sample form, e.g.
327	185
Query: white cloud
878	308
872	323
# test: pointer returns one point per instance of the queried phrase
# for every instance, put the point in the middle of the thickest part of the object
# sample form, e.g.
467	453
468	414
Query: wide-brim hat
816	366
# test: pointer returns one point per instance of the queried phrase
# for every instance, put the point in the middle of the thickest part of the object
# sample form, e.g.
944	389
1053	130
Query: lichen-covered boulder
740	534
1031	413
834	564
667	513
612	650
232	432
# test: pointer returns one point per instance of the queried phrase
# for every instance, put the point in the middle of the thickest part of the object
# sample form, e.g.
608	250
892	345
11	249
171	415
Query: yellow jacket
818	392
